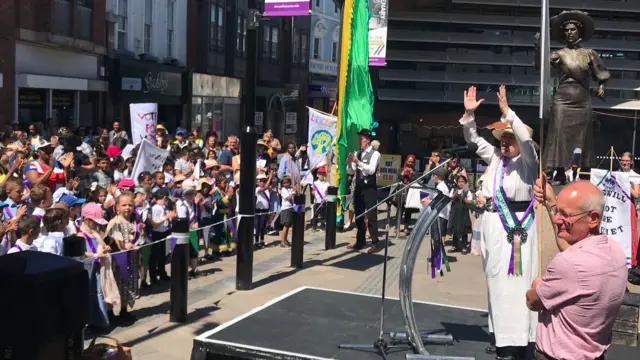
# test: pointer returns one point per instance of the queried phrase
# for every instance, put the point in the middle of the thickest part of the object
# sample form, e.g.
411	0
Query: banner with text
388	169
378	26
322	132
616	219
150	158
144	118
286	7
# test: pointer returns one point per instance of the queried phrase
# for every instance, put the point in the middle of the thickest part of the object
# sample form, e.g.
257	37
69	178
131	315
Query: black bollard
179	278
244	260
297	236
330	218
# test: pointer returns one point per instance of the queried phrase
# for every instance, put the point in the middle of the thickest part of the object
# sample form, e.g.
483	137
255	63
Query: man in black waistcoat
365	164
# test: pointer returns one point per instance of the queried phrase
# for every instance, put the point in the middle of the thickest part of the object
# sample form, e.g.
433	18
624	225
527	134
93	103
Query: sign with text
322	131
323	67
616	219
388	169
378	26
286	7
144	118
291	123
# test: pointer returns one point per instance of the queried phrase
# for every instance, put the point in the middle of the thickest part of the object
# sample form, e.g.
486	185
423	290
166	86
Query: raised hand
502	101
470	101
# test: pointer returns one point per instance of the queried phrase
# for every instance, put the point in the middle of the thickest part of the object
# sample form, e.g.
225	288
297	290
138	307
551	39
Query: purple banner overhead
286	8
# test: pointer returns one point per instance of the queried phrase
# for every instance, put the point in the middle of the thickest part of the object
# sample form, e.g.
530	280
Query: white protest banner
616	219
322	131
144	118
150	158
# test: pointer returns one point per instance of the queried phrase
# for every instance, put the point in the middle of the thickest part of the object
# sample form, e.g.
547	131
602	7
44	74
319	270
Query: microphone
470	147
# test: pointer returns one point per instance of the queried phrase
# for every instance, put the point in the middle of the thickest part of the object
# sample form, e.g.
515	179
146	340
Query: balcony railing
62	18
84	22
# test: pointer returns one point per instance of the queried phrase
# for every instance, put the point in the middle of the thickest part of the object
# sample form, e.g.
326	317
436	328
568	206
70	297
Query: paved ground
213	299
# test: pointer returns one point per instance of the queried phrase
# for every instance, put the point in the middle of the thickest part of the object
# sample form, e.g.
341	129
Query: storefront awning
59	83
448	121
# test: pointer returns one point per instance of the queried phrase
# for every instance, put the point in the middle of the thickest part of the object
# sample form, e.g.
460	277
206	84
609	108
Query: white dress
509	318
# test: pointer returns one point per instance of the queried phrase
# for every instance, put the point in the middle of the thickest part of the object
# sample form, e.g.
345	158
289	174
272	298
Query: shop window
266	41
220	35
170	24
63	108
32	106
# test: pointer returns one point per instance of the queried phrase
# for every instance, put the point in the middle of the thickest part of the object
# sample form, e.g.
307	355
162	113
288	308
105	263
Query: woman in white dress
509	243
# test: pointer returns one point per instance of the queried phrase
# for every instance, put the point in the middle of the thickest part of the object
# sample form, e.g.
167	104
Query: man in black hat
365	164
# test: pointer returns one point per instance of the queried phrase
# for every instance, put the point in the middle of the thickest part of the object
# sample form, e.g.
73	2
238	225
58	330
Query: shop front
215	104
323	86
136	81
279	110
58	88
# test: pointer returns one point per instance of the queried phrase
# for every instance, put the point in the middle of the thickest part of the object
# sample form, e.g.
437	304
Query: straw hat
208	164
497	133
201	182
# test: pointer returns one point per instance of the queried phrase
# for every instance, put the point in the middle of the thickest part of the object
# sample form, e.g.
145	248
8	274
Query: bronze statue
571	126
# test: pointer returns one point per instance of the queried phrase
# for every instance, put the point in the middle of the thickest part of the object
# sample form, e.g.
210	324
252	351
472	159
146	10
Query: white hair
594	202
375	144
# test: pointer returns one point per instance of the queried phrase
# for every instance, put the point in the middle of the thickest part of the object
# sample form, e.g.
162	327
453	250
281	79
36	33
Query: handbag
111	349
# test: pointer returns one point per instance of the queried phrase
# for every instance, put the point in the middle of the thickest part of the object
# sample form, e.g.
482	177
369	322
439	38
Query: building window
148	20
241	36
84	19
121	25
317	3
304	47
213	25
335	9
220	35
266	41
334	51
170	24
316	48
274	43
62	24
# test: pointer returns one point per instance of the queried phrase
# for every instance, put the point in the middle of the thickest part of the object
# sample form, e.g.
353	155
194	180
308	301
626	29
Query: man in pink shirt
581	292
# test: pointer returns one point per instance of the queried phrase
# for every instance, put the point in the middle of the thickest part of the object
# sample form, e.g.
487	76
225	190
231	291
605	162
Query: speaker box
44	306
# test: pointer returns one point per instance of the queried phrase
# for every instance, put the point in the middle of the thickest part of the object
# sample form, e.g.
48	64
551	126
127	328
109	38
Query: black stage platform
310	323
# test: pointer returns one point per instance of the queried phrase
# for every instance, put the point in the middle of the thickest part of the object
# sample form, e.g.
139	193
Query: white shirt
372	166
20	246
158	213
117	175
184	210
460	191
286	202
70	229
320	190
442	186
262	199
634	178
168	178
53	243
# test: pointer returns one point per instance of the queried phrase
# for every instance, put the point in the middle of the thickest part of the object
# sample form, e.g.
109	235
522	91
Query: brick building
51	62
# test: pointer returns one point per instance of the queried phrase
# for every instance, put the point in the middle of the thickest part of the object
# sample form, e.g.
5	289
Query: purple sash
17	247
318	191
266	196
89	240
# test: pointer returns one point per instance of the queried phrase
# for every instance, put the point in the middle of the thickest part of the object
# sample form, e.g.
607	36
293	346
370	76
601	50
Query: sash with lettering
616	219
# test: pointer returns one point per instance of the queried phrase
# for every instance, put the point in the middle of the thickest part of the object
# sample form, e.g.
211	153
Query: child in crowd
438	230
74	206
186	210
160	222
167	168
274	203
55	221
29	230
92	221
118	165
100	175
158	181
286	213
223	196
124	232
262	207
207	207
41	199
14	189
320	187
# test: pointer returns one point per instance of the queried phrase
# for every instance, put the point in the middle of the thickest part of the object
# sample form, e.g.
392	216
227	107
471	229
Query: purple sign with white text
286	8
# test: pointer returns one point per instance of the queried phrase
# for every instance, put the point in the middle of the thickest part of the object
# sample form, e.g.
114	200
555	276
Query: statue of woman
571	126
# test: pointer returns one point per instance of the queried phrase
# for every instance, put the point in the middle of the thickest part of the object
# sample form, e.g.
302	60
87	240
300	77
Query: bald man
582	289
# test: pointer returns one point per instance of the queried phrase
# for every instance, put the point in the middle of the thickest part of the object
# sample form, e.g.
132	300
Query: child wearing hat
286	214
223	195
263	199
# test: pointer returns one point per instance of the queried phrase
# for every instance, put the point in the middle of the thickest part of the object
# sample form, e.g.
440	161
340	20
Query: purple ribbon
232	227
174	240
122	259
512	260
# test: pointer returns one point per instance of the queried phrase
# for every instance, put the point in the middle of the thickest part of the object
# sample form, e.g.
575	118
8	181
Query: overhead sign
286	7
378	26
323	67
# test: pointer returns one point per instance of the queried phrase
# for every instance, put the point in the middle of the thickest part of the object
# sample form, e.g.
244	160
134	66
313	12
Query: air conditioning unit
148	57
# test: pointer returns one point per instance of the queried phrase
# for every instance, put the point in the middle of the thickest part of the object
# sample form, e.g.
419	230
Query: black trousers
157	258
318	215
364	199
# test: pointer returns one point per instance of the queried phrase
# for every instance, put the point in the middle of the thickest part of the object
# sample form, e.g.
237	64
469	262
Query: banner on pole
286	7
388	169
616	219
322	132
150	158
378	26
144	118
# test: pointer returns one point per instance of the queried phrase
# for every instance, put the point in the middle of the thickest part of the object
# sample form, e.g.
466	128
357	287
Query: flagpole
544	111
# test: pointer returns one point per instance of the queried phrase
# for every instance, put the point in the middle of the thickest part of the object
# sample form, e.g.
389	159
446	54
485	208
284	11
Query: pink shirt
582	291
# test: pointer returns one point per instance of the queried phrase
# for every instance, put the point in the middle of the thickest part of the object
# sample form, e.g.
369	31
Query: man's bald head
579	210
586	195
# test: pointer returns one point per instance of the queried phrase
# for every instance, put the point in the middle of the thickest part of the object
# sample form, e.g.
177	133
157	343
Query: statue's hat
557	22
